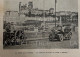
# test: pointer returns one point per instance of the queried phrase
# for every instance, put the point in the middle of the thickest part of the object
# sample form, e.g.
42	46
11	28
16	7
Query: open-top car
60	33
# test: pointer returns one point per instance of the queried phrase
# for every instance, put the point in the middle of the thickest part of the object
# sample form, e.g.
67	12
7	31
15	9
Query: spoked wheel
61	37
51	37
19	36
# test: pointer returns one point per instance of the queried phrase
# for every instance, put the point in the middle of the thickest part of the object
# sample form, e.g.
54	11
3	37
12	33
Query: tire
50	38
61	38
19	34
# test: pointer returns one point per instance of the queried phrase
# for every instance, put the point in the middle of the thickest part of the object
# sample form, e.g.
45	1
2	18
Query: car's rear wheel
50	38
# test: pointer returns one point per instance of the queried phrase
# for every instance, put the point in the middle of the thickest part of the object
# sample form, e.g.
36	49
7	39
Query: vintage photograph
40	24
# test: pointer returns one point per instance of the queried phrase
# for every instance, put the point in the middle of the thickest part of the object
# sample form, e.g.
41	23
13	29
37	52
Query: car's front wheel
61	38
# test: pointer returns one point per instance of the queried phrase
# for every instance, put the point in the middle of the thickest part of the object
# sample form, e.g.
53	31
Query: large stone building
29	10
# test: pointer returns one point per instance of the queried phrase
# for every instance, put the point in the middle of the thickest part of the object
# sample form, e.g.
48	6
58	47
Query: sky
62	5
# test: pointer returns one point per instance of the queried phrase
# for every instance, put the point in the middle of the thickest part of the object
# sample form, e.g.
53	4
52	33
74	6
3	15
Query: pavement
30	39
44	43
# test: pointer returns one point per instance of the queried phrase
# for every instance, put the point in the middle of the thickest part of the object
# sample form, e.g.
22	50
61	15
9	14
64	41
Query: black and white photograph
40	24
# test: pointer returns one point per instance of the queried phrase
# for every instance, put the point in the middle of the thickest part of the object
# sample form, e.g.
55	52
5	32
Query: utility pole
20	13
19	8
44	14
55	12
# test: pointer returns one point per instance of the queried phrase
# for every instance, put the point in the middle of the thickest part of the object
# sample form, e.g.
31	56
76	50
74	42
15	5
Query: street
46	44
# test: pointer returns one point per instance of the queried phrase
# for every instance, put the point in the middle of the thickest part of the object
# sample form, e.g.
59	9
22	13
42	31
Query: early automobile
12	36
60	33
